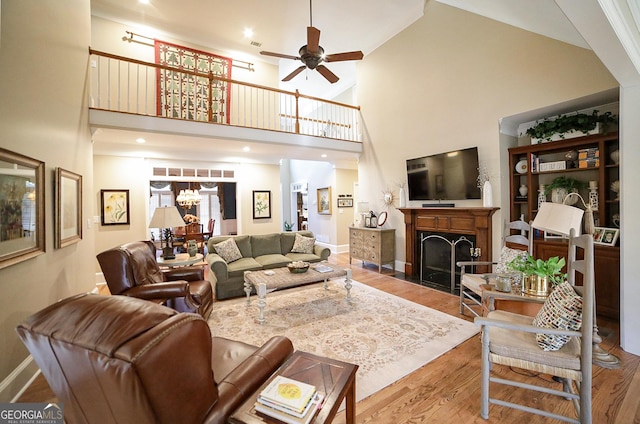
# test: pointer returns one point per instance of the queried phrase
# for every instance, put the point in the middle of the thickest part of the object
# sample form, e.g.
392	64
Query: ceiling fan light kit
312	55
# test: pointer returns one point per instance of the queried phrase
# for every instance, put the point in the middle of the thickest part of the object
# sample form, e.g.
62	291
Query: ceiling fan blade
313	39
338	57
284	56
294	73
330	76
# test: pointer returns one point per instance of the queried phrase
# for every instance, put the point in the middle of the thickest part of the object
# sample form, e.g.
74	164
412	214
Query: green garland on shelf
582	122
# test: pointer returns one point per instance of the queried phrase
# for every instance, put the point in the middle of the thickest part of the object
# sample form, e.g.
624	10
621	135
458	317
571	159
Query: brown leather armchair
132	270
119	359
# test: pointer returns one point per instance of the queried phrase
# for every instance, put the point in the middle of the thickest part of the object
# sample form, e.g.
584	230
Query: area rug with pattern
387	336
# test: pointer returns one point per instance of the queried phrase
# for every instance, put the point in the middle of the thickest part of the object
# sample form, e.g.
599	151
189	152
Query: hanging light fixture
188	198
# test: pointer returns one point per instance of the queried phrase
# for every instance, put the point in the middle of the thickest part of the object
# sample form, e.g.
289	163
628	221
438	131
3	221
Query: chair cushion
228	250
303	244
507	255
562	310
522	346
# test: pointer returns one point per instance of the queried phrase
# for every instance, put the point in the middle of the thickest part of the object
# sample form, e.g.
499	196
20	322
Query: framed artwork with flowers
261	204
114	207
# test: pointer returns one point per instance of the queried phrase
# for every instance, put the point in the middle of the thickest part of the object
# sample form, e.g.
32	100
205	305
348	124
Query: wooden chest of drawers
372	245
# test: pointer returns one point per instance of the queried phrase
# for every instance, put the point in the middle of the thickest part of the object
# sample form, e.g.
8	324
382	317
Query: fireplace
439	253
475	224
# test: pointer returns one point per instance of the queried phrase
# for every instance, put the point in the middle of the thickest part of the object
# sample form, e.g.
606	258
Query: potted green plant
561	186
567	125
539	275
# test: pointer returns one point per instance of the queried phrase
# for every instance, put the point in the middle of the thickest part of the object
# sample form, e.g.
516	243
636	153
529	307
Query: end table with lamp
166	218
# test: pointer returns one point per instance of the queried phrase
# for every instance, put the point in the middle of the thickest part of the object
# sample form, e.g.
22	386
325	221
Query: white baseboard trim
15	384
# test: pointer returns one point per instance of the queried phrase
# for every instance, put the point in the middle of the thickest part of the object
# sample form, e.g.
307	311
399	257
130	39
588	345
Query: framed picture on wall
68	208
324	201
114	207
261	204
345	202
22	234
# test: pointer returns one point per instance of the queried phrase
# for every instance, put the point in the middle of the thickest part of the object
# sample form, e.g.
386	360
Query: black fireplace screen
439	253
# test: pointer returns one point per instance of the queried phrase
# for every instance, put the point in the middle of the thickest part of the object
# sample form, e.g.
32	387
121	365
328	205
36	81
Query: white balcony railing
127	85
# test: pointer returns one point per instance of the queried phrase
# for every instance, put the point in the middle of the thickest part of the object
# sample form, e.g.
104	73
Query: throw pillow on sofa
303	244
228	250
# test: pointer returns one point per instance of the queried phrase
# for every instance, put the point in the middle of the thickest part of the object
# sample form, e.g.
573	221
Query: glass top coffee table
267	281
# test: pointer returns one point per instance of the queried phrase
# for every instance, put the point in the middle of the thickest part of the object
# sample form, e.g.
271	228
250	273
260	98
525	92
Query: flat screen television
445	176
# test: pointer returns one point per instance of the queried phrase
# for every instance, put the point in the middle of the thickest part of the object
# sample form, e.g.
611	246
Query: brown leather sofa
116	359
132	270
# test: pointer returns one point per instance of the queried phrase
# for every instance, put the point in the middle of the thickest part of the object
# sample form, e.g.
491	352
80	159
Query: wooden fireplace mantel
464	221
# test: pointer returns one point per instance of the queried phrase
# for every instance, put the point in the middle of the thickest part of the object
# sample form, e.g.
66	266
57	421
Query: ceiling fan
312	54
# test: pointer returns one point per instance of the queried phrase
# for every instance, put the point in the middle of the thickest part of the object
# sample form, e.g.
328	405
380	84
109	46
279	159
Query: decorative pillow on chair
228	250
561	310
303	244
507	255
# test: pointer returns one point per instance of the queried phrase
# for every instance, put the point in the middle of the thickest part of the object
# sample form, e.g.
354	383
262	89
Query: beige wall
258	177
43	115
344	216
115	173
447	80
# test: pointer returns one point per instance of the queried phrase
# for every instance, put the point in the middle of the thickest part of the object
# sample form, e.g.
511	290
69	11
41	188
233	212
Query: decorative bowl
298	267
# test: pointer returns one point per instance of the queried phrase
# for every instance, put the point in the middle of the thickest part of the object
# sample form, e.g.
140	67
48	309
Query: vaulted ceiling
280	26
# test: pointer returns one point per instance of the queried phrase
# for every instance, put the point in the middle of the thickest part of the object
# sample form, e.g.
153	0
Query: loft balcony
199	116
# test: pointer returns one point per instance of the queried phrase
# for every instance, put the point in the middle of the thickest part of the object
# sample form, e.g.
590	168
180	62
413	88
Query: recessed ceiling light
324	155
246	148
248	33
140	140
144	1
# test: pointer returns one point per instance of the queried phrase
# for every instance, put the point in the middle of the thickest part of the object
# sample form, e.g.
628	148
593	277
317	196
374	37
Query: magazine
288	393
288	417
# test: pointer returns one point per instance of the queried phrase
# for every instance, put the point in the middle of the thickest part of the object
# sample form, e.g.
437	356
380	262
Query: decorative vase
487	195
192	249
615	157
523	190
541	196
402	202
593	195
558	195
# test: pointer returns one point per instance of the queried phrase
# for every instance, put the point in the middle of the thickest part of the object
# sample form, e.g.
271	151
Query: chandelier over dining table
188	198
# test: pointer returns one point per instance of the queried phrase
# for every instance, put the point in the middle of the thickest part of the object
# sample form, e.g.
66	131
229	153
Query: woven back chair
547	344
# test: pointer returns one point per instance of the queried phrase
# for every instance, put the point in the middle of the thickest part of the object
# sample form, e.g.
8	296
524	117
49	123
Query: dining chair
517	240
557	342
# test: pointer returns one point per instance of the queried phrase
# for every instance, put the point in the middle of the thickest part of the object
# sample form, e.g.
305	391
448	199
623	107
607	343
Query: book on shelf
287	417
288	393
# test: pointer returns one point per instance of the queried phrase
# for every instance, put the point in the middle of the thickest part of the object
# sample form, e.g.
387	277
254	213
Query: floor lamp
166	218
559	218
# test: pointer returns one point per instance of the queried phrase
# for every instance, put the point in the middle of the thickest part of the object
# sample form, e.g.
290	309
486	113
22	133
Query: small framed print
345	202
261	204
606	236
114	207
68	217
324	201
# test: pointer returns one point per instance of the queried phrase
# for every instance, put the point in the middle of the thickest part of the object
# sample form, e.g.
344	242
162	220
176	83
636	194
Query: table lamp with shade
166	218
560	219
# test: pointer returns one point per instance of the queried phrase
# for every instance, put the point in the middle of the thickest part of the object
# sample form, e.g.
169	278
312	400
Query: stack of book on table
289	401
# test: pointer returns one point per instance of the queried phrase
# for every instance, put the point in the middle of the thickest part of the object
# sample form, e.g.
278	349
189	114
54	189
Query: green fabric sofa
258	252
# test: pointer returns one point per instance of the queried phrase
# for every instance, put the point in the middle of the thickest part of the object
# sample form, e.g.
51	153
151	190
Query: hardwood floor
447	390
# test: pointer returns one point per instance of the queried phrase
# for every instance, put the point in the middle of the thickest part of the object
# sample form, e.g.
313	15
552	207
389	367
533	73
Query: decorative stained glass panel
186	96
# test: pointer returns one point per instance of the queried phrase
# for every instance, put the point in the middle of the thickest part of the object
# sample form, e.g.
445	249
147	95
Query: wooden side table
523	304
336	379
